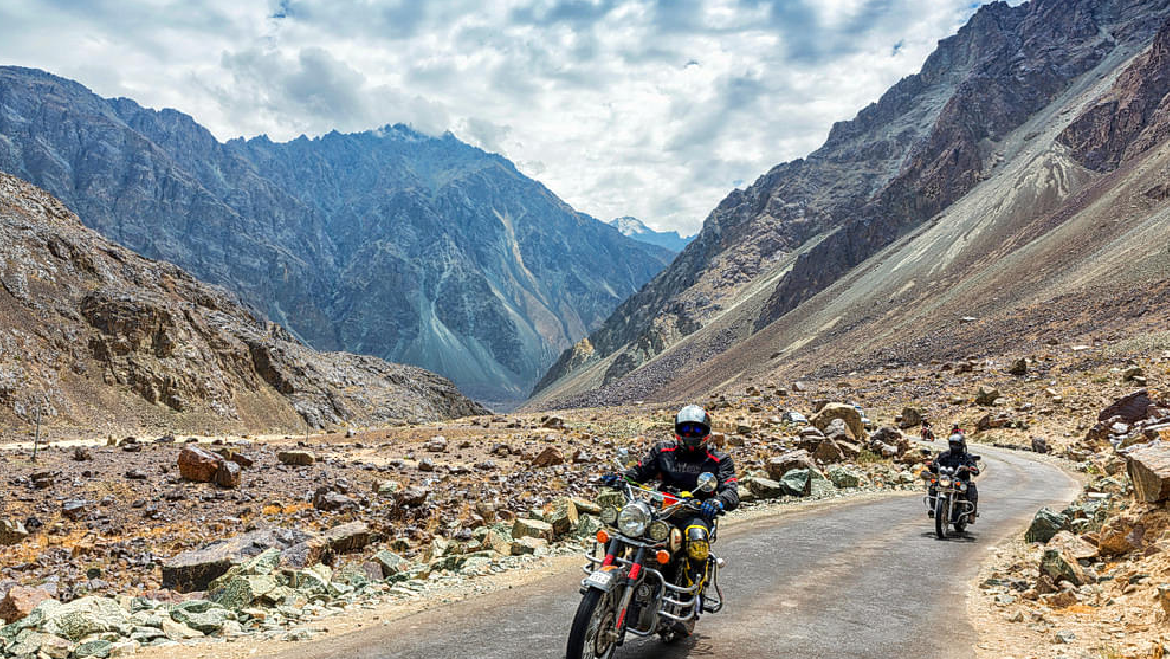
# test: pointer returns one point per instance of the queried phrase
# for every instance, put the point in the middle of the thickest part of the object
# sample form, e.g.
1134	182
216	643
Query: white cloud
650	108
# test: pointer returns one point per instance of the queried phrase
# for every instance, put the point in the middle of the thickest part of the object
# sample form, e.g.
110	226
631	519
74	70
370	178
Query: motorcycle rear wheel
940	517
596	615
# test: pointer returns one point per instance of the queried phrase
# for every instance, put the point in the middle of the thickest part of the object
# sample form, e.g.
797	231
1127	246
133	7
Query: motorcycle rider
678	464
957	456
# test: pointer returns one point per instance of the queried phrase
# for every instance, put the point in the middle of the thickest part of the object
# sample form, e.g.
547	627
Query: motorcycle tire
595	612
940	518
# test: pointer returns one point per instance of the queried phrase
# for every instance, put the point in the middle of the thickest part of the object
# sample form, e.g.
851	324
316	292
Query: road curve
865	579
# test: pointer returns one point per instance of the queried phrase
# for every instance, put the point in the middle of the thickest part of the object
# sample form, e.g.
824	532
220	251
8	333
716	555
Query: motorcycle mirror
706	482
976	458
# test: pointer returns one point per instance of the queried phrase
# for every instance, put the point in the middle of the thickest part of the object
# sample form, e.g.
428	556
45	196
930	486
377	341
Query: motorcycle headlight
633	519
962	487
944	482
659	531
609	515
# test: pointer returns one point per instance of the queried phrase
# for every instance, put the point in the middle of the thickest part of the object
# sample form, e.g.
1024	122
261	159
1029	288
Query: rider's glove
610	480
711	508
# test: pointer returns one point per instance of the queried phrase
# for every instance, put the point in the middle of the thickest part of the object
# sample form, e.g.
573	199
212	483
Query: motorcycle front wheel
941	517
591	636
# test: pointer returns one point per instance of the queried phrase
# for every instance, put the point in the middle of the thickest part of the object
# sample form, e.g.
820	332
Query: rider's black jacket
678	467
956	460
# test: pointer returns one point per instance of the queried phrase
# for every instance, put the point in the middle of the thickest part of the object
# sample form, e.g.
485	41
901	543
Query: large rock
1149	471
798	482
348	538
88	615
548	457
766	488
987	396
911	417
202	615
1060	566
1121	534
783	464
844	478
296	458
199	465
1073	545
194	570
532	528
1046	524
20	601
850	414
12	532
228	474
1131	408
829	452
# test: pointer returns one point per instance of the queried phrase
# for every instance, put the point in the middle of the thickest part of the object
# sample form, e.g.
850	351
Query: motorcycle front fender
605	580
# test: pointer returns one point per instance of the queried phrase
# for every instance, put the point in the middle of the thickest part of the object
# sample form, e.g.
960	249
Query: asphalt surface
865	579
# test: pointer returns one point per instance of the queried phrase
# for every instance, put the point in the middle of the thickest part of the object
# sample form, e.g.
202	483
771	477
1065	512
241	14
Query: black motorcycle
946	498
648	580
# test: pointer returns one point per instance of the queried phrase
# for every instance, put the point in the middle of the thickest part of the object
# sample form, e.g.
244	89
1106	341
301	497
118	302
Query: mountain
961	176
391	243
634	228
90	327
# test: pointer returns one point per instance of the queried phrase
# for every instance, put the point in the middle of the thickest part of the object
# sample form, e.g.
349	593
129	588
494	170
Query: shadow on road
647	648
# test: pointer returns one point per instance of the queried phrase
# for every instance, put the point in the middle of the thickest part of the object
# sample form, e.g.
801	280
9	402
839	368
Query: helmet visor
695	430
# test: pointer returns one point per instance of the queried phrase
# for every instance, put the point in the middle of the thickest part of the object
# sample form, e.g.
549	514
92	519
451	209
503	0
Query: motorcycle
945	497
648	581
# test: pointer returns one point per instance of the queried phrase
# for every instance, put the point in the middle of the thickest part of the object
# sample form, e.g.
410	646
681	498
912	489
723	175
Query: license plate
599	579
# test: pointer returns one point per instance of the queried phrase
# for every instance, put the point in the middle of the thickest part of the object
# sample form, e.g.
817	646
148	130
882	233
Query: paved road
865	579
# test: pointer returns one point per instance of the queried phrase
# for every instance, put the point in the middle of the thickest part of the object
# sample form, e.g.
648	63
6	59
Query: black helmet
692	427
957	443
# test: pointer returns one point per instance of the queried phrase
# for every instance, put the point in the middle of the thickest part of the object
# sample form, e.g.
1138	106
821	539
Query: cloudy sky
651	108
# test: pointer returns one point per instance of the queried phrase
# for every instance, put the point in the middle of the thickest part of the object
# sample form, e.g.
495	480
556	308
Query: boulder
228	474
1073	545
412	496
1060	566
1149	471
198	465
244	591
828	452
798	482
766	488
1045	525
12	532
194	570
348	538
528	545
88	615
843	478
296	458
532	528
1020	367
202	615
76	509
548	457
1121	535
987	396
1040	445
177	631
850	414
304	554
1131	408
783	464
391	563
911	417
20	601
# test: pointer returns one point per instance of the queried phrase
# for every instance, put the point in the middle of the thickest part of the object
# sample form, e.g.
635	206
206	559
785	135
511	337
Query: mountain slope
634	228
90	328
802	230
388	242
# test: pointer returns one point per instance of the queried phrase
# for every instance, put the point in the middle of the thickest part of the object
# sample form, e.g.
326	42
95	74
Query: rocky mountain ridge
636	229
392	243
104	340
804	233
